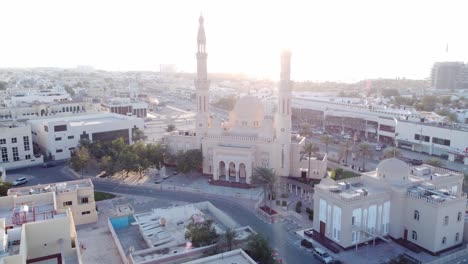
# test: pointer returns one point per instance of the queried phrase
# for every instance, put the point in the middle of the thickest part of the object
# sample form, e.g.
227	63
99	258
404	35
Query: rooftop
83	119
237	256
60	187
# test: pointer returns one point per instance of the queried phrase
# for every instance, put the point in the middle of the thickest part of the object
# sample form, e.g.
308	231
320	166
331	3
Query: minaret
283	116
201	85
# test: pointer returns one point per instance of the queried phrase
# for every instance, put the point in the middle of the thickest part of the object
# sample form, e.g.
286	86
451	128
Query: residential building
423	206
77	195
16	146
37	227
250	138
57	137
449	75
126	106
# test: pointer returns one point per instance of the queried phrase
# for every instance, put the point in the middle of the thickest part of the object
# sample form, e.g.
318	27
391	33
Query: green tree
170	128
305	129
428	103
128	161
434	162
4	187
155	155
141	152
227	103
266	178
345	148
138	134
309	149
365	152
79	159
201	233
107	164
259	249
326	140
391	152
189	160
229	237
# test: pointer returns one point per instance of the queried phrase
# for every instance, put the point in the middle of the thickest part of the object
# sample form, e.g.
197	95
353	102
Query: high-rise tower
201	85
283	116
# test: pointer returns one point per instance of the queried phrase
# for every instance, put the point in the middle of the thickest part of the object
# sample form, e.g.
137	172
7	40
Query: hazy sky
330	40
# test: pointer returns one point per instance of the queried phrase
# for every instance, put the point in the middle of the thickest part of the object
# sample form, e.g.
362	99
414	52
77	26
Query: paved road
280	238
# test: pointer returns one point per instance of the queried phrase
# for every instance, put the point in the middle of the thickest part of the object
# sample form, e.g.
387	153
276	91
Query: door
405	234
303	174
322	228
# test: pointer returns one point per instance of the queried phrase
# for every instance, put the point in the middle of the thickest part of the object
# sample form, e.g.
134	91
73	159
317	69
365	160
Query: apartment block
16	146
421	206
77	195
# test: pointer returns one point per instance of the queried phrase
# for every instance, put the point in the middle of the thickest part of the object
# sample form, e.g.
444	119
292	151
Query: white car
20	181
322	256
347	137
378	148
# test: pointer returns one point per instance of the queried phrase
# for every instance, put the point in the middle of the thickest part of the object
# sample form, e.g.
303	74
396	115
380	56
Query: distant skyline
329	40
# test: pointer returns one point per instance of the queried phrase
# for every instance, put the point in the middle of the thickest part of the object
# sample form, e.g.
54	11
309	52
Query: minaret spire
202	84
201	39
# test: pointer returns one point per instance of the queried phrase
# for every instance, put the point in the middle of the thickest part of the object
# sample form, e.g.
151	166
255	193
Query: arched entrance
222	169
242	173
232	170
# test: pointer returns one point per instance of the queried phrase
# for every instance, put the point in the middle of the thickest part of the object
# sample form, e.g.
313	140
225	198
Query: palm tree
346	148
309	149
229	237
365	151
265	177
326	139
391	152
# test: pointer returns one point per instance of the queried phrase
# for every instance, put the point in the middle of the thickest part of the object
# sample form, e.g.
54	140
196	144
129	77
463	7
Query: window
84	200
67	203
4	154
414	235
71	137
457	237
60	128
416	215
58	151
2	141
58	138
27	157
85	212
422	137
459	217
46	128
446	220
352	220
26	143
444	239
13	140
441	141
15	153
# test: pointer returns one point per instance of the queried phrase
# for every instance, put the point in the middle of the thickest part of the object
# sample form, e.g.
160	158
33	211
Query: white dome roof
249	108
393	170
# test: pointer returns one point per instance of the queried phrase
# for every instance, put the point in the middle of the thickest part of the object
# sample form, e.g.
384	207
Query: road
280	238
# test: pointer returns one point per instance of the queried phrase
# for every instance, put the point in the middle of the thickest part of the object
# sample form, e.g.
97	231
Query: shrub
283	203
306	243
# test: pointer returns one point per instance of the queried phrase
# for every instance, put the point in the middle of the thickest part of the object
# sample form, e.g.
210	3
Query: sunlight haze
330	40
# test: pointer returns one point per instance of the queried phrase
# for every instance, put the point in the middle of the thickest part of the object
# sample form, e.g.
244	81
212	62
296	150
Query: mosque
250	138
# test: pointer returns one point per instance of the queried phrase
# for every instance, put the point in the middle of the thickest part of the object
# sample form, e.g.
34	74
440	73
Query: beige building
250	138
34	230
422	205
77	195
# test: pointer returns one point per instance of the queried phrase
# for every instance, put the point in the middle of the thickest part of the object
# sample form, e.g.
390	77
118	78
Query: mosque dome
249	108
393	170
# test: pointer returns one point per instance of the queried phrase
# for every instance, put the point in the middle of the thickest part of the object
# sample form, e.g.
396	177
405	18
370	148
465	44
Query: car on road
378	147
323	256
20	181
416	162
165	176
48	164
159	180
346	136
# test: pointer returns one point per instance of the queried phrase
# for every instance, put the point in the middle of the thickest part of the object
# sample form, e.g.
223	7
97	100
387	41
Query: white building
16	146
250	138
422	206
37	96
56	137
126	106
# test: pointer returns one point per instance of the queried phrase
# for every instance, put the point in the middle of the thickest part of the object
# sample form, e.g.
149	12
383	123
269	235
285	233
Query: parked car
309	232
378	147
48	164
158	181
347	136
20	181
416	162
323	256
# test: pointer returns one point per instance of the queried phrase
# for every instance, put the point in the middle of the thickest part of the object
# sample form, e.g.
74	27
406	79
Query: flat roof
60	187
83	119
237	256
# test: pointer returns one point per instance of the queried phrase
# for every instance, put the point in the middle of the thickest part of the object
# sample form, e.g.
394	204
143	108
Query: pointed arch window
416	215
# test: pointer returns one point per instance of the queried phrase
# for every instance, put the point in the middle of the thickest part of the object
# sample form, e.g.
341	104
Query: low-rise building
77	195
57	137
126	106
16	146
423	206
37	223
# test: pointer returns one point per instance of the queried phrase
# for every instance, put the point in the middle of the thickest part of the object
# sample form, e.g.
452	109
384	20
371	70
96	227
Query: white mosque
249	138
